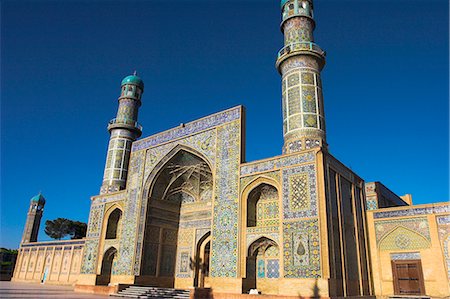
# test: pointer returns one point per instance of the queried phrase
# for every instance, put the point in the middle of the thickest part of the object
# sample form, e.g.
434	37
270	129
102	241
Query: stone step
144	292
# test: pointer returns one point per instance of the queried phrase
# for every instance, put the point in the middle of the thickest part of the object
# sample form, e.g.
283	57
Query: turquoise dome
283	2
38	198
133	79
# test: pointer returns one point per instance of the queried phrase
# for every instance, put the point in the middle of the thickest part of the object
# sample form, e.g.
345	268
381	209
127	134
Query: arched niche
113	224
108	261
262	263
181	179
402	238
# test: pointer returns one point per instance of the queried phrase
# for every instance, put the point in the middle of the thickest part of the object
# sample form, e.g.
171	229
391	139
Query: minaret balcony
124	123
301	47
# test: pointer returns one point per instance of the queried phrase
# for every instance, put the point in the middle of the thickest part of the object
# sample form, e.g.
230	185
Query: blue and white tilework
299	192
189	128
277	163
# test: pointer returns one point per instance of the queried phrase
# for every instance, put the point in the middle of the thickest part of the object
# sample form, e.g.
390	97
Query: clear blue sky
385	88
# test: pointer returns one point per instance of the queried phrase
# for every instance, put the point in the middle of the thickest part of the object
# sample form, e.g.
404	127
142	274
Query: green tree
62	227
77	230
58	228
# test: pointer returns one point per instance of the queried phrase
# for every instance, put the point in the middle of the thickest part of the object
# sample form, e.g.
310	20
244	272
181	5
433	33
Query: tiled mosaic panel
403	239
444	236
261	273
418	225
225	224
95	221
184	263
189	128
301	249
297	30
277	163
128	244
275	175
267	210
299	192
108	198
90	257
255	233
203	142
273	268
413	212
405	256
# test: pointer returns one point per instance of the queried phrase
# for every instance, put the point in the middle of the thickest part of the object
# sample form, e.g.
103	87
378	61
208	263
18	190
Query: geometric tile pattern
273	268
301	249
299	192
298	184
273	164
224	261
128	243
405	256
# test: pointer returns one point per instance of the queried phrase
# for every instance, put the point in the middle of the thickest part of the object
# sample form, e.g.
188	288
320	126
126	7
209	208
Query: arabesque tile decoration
301	249
189	128
224	260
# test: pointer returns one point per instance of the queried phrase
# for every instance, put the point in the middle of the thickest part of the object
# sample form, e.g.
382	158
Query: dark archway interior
107	266
113	224
184	179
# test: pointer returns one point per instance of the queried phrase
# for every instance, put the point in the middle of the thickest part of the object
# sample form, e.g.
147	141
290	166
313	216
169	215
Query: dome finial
135	73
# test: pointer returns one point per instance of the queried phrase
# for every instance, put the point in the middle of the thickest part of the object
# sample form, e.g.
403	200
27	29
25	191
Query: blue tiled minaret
299	63
124	129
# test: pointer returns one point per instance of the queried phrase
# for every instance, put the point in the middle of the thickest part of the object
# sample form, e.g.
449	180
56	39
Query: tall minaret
300	62
30	233
124	129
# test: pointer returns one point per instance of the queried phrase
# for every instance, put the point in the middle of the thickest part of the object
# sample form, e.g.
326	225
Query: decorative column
124	129
299	63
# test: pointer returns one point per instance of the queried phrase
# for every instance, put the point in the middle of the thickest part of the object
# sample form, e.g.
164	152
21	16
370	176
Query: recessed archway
262	265
183	180
108	261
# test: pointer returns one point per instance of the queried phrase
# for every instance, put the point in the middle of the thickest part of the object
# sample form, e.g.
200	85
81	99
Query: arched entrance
202	259
113	226
107	266
262	266
182	183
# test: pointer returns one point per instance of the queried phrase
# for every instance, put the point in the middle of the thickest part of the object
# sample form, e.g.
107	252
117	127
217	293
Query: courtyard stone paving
32	290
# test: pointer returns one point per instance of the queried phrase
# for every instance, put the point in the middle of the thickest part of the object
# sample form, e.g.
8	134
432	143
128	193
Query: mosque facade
183	209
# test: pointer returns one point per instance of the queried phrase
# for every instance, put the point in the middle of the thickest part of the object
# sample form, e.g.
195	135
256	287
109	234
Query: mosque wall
416	236
57	262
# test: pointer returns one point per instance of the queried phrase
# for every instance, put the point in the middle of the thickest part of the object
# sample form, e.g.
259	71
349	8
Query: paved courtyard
28	290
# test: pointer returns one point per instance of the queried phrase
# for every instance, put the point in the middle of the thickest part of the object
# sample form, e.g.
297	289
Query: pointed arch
150	180
403	238
182	177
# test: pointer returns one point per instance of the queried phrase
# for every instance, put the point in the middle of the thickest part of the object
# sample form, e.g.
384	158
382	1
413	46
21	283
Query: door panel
408	277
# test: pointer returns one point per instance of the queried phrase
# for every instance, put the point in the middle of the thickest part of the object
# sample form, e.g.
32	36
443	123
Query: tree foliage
62	227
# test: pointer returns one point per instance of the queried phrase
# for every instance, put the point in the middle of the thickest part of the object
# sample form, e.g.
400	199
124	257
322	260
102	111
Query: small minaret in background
299	63
30	233
124	129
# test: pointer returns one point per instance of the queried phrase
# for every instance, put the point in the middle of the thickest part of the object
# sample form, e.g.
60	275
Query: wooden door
408	277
